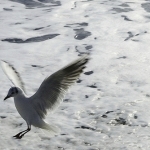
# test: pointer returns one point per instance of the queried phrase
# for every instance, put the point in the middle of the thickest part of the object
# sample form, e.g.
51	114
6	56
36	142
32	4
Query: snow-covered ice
108	107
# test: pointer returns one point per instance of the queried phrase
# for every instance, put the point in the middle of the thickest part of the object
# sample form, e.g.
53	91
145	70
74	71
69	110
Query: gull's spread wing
52	90
12	74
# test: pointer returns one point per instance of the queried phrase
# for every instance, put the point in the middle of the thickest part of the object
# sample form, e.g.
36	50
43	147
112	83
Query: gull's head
13	92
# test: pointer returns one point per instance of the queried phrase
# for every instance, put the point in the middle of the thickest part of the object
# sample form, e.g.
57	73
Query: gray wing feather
12	74
53	89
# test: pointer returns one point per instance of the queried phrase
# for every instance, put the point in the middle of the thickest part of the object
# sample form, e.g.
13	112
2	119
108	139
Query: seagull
49	95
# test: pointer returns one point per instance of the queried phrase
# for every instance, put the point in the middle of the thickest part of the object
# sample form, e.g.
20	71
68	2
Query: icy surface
109	106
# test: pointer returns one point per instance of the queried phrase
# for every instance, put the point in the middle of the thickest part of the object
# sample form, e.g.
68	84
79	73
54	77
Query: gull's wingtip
85	56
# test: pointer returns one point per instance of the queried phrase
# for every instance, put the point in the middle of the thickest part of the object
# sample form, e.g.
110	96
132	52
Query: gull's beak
6	97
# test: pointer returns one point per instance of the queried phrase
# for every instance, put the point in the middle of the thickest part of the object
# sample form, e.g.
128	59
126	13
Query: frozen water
33	39
108	108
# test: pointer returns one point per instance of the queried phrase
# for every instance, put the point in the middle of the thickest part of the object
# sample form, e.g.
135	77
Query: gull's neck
20	94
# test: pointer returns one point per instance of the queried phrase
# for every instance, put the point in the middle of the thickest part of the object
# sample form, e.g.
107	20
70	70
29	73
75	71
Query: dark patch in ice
144	125
34	65
30	40
7	9
84	24
126	18
92	114
65	100
3	117
135	40
60	148
50	1
32	3
124	5
45	1
104	116
66	26
123	57
92	86
107	112
86	96
135	116
84	127
37	66
79	81
18	23
130	36
88	144
88	47
80	24
81	34
146	6
28	19
39	28
120	10
147	95
121	121
29	3
147	17
88	73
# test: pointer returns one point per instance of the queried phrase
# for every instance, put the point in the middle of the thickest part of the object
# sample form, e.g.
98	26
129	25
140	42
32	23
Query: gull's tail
52	130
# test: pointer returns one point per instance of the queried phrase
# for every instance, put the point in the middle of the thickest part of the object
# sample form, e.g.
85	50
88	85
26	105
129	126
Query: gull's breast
25	109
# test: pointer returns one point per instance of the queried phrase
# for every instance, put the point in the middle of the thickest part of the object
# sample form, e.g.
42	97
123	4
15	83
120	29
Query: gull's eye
16	91
12	93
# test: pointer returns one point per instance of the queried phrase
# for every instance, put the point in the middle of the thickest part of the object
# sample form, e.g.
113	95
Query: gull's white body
28	113
49	95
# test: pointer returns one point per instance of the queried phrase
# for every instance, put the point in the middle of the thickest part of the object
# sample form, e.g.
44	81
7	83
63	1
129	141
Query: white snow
114	100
